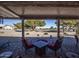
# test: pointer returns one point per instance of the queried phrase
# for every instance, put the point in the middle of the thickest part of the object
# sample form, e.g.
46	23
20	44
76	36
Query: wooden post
23	29
2	21
77	27
58	24
23	9
58	28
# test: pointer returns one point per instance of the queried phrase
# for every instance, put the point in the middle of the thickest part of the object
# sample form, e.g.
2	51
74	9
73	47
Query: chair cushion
54	47
26	43
50	46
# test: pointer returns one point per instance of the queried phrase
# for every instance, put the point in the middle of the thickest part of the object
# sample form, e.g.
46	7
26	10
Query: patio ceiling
6	13
36	9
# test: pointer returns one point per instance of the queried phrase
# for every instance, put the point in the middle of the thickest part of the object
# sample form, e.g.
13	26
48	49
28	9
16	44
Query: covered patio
40	10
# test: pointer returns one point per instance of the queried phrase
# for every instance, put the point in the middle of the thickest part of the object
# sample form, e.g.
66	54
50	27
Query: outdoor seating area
36	29
40	48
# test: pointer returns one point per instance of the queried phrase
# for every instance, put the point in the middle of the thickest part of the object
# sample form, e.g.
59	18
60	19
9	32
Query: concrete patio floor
16	46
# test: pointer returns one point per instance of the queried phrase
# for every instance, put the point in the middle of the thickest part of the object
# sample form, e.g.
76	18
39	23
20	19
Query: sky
49	22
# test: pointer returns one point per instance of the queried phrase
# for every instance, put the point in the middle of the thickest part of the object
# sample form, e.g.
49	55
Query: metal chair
56	46
25	45
77	39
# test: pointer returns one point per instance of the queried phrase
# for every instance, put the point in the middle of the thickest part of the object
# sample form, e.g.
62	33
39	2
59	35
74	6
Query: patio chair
26	45
77	39
56	46
76	48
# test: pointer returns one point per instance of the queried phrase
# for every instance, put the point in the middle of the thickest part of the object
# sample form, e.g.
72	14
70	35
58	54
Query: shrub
65	33
37	34
45	33
1	32
27	33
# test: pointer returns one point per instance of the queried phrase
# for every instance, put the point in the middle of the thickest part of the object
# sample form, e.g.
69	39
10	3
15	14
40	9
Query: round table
72	55
6	54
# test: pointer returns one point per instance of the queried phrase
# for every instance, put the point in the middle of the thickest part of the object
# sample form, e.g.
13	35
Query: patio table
40	47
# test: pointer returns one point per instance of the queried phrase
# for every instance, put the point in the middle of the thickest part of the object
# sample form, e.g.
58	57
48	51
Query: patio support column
58	28
23	29
58	24
23	37
0	20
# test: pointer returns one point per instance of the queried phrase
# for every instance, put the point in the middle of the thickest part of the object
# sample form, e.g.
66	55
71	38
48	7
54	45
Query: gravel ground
13	33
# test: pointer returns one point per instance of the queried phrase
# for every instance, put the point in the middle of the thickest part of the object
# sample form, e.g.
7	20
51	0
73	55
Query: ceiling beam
7	11
44	17
10	10
41	3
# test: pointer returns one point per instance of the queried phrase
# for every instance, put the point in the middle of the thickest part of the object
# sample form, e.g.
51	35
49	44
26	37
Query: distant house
7	27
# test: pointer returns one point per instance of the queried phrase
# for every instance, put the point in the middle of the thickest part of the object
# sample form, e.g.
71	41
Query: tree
18	25
77	28
31	23
34	22
67	23
51	27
